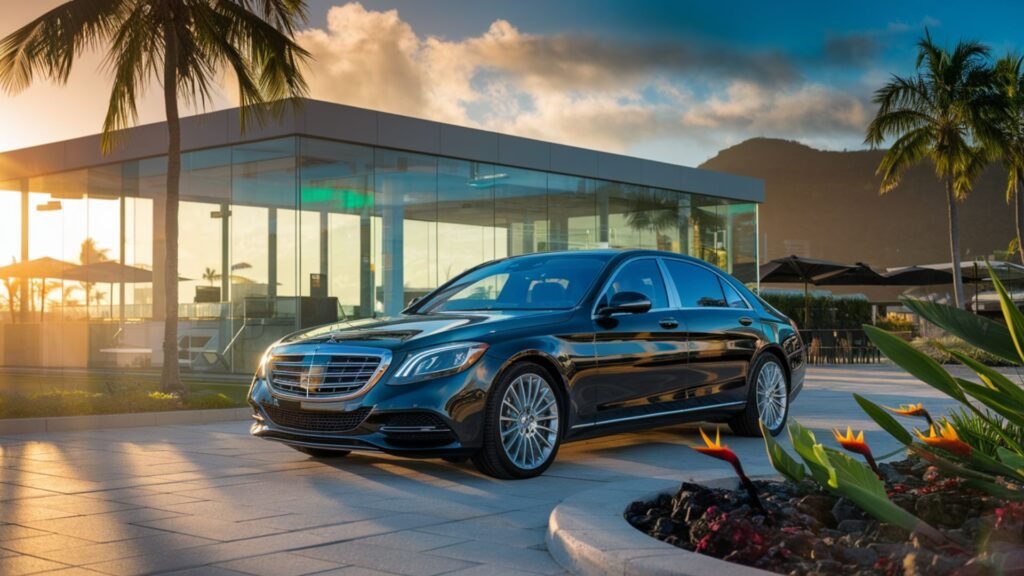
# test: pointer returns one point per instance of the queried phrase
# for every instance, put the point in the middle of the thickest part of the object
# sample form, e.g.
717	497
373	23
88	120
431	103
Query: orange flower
912	410
857	445
947	439
717	450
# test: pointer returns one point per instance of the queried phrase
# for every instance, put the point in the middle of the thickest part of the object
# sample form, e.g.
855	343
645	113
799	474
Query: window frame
718	275
671	295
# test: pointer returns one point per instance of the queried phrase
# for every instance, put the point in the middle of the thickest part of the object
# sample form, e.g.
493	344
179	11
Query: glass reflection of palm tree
656	212
90	253
211	275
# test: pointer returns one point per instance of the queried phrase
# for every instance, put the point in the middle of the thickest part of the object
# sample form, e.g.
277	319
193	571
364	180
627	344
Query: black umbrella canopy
918	276
860	274
793	269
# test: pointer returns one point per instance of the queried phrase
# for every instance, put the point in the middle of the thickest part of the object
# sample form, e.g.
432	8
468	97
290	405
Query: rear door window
697	287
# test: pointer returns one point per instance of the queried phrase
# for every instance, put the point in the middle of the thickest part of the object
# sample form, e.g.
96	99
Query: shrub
940	350
825	311
207	400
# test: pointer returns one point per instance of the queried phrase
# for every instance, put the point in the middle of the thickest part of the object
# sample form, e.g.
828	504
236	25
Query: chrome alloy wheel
772	395
529	421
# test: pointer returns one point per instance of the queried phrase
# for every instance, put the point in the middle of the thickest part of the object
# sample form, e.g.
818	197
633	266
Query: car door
639	357
722	331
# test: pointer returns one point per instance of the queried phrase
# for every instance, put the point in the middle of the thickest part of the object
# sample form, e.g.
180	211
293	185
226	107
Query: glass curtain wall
293	232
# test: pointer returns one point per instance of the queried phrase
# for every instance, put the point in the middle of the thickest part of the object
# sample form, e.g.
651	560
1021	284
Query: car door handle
746	321
668	323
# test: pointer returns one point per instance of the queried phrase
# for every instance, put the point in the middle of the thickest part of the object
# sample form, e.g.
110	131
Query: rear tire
522	424
322	453
767	399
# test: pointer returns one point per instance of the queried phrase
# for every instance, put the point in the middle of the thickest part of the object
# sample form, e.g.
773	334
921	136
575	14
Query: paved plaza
208	499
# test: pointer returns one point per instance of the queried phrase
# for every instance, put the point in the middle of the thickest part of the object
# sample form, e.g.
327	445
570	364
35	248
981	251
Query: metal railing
841	346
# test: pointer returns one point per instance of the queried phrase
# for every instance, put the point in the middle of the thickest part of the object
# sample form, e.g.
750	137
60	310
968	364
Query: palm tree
90	253
1009	77
938	114
184	45
211	275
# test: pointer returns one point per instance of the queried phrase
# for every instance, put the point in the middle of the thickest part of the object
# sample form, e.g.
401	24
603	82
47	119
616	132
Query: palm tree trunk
1019	212
170	378
954	244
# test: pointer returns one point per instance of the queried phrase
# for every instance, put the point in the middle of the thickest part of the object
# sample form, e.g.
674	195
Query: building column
393	244
366	276
272	252
24	291
602	217
225	252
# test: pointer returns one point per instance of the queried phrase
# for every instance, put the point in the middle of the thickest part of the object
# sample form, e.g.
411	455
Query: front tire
767	399
321	453
522	424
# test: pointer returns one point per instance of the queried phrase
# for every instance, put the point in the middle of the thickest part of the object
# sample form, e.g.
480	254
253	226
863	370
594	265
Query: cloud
851	49
577	89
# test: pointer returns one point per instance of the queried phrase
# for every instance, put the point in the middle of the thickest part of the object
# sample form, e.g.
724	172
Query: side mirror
626	303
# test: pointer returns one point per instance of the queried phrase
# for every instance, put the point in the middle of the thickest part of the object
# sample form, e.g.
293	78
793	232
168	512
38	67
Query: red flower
947	439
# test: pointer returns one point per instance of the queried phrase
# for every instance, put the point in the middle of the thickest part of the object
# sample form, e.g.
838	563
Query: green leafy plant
982	440
844	476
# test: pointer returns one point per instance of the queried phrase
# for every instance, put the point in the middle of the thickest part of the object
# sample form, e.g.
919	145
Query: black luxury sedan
513	357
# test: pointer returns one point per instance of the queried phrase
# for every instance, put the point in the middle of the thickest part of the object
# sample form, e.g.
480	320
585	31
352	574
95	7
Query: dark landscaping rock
804	531
850	526
846	510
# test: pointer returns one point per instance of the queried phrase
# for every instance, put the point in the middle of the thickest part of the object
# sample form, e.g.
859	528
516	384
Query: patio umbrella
795	269
113	272
43	268
917	276
860	274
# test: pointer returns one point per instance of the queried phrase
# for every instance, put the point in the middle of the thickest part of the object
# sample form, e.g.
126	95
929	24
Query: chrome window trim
328	348
718	275
673	299
657	414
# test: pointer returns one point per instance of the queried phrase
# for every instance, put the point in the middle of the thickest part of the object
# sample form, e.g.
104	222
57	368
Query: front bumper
435	418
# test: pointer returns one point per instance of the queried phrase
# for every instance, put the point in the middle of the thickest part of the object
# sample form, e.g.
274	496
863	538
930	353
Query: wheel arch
550	365
776	351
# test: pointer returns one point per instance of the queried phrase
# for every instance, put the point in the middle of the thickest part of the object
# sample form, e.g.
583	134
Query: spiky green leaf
781	460
990	376
917	363
978	331
1011	314
803	442
1011	459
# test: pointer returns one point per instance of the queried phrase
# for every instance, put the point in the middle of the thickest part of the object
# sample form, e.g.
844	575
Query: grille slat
316	421
322	375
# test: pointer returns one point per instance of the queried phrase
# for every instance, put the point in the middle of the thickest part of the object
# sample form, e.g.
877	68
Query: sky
675	81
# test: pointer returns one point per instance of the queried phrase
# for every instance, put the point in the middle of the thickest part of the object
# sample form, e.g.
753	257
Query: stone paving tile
19	565
357	571
339	516
96	528
363	528
491	570
211	528
412	540
73	571
538	561
22	511
385	559
203	571
280	564
78	505
12	531
488	532
38	544
95	553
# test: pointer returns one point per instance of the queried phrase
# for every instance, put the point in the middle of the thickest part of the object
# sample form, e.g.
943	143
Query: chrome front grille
323	375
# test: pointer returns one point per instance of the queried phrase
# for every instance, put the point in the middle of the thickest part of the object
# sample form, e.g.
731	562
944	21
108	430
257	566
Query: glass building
332	213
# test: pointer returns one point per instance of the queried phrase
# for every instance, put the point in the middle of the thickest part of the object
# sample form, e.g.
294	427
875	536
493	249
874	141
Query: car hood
398	331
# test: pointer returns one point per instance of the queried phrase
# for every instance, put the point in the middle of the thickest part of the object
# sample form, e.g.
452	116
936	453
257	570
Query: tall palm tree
1009	78
90	253
183	45
938	115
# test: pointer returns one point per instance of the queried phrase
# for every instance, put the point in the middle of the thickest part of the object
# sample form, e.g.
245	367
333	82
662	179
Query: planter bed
807	531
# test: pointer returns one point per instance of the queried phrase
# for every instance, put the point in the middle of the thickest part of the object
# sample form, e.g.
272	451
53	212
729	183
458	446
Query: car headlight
439	361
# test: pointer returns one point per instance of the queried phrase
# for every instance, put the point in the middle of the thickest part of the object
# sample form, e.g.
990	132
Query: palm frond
49	44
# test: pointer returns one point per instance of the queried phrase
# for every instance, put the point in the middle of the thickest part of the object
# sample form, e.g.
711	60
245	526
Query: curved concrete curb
588	535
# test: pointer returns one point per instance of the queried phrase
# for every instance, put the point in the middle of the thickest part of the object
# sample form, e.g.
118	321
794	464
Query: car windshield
542	282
